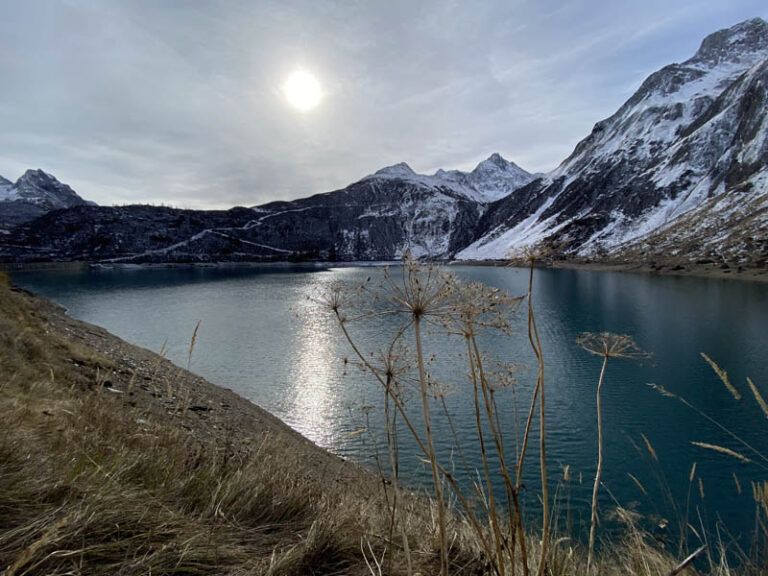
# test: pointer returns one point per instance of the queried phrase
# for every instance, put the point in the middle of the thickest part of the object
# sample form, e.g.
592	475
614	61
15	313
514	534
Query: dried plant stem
499	442
684	524
481	437
533	337
687	562
431	447
192	343
758	397
593	520
392	449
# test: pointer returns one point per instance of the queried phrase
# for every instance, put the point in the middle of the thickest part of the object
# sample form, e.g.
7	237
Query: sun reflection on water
313	403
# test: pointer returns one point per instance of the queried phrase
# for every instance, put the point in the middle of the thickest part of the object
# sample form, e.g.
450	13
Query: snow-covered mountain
692	142
34	194
491	180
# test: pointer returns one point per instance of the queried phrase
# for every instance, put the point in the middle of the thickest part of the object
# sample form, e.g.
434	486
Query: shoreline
707	271
679	270
149	382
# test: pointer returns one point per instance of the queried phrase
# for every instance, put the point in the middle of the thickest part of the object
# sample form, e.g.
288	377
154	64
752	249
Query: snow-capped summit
497	177
739	43
492	179
44	190
34	194
401	170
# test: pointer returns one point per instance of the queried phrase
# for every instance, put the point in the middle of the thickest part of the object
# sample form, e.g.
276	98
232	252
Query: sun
303	91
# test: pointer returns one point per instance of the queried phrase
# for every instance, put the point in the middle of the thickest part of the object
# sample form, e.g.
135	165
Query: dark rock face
94	233
381	217
366	221
33	195
372	220
15	213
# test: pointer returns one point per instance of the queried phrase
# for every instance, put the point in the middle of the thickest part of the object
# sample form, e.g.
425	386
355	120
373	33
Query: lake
263	336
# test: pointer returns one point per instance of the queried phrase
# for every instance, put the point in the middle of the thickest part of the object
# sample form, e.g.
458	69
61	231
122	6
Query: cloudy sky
182	102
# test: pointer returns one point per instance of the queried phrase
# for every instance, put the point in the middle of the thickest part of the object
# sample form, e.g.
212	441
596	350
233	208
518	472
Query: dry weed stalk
607	346
533	338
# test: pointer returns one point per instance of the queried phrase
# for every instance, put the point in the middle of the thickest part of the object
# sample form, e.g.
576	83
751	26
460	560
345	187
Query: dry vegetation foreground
115	461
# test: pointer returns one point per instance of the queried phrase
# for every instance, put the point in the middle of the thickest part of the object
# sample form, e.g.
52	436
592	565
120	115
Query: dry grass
89	485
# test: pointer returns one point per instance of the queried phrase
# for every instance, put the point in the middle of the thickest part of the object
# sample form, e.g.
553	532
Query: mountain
392	211
492	179
33	195
686	153
380	217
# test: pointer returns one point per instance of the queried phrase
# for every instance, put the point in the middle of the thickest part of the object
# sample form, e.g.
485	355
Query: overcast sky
181	102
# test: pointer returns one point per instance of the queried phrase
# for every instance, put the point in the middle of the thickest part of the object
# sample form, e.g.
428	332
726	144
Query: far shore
690	270
710	271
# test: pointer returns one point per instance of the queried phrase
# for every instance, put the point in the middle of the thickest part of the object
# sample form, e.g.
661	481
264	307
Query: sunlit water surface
262	336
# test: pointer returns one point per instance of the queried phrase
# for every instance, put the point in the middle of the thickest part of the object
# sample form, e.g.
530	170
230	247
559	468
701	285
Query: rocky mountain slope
33	195
377	218
679	169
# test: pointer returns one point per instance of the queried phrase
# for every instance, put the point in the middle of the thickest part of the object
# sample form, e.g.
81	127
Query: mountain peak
496	162
497	159
396	171
44	190
732	44
36	175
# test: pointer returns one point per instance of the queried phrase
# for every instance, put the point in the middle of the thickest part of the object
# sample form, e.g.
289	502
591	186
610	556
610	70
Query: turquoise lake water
262	336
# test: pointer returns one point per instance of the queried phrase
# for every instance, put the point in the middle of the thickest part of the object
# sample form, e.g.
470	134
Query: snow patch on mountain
501	243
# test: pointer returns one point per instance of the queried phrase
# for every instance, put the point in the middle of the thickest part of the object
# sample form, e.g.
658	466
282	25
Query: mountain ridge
492	179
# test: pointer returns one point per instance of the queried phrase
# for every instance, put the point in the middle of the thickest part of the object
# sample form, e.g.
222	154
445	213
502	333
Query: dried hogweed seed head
609	345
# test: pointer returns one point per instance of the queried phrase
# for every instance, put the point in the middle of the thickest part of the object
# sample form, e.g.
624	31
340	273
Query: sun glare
303	91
